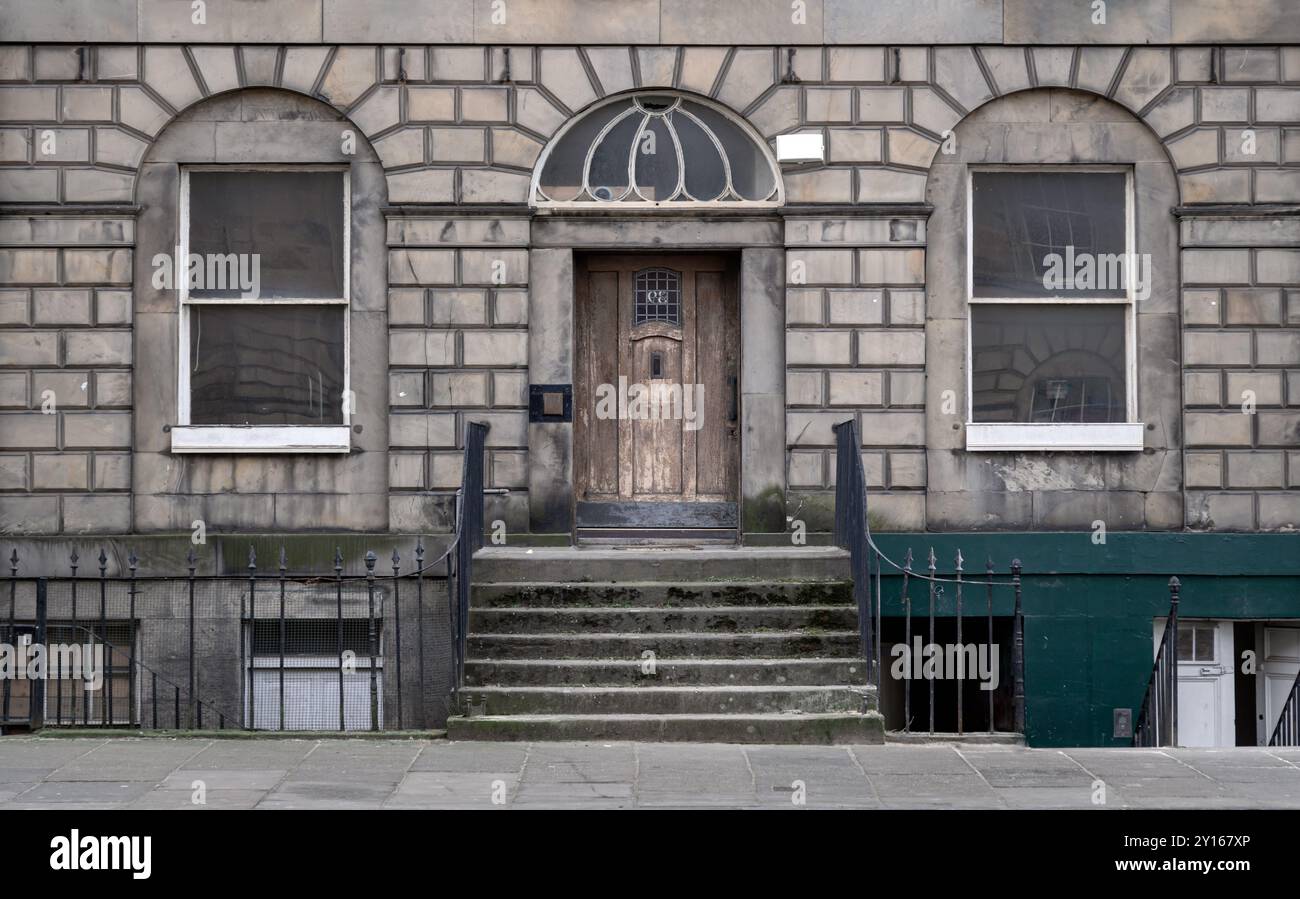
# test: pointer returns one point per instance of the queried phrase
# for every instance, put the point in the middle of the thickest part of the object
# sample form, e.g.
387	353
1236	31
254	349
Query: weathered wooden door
657	393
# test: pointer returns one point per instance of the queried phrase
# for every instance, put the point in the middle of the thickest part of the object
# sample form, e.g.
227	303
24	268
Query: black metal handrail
866	562
468	540
1287	730
1157	722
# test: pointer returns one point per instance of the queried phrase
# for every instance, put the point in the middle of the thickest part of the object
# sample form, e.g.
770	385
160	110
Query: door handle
733	412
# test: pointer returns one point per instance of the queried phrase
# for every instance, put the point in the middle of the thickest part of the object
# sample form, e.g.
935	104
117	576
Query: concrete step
626	646
832	727
685	672
642	594
667	700
665	621
499	564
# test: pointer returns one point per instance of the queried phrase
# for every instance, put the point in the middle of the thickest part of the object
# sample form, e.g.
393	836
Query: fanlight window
658	296
656	150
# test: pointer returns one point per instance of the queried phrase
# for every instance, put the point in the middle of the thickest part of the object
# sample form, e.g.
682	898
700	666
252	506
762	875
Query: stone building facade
462	290
856	272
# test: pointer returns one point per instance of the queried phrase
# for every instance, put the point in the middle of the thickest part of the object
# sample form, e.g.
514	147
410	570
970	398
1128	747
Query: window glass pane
1204	643
1023	219
1048	363
608	176
562	176
292	221
656	162
705	177
1186	642
266	365
751	176
658	297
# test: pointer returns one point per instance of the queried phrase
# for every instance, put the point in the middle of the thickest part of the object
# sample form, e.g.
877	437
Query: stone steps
668	700
685	672
659	620
660	593
776	728
766	565
765	645
664	644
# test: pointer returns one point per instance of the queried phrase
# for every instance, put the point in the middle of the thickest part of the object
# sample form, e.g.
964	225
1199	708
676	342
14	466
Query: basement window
1053	282
312	679
262	274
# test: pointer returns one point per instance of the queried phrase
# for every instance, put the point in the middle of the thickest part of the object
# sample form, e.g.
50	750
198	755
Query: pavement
172	773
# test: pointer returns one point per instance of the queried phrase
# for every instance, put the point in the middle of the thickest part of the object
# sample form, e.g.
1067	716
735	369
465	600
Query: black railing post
370	640
190	561
419	623
1175	589
961	651
13	624
284	564
133	713
105	701
397	631
907	643
247	655
989	571
338	620
929	675
880	661
1018	649
36	712
76	636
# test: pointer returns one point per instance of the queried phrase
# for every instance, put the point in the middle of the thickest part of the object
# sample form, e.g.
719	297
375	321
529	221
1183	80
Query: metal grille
658	296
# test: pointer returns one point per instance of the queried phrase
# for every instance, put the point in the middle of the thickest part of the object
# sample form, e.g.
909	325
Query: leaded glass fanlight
656	149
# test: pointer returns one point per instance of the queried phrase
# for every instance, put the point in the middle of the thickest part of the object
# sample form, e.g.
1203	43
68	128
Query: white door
1205	699
1280	664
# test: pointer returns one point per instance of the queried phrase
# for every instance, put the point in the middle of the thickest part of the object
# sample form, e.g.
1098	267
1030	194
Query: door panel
718	404
1281	663
599	328
657	365
1206	703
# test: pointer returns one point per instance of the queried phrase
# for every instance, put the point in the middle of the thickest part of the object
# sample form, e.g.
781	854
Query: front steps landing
726	645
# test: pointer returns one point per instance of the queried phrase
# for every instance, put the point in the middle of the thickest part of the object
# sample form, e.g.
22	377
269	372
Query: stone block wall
457	352
855	347
66	347
1241	349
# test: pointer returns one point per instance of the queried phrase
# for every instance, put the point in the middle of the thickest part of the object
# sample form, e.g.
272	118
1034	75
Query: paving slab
435	789
581	763
183	800
87	791
289	773
471	757
225	779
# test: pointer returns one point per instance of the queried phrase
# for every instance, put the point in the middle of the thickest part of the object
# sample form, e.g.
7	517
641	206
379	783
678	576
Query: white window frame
188	438
1125	436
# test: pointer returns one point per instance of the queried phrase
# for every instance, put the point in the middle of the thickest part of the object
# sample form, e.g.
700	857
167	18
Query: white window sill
1058	437
227	439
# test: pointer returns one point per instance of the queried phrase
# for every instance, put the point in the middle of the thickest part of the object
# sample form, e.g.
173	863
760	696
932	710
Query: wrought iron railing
322	650
1287	730
468	540
868	566
1157	721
